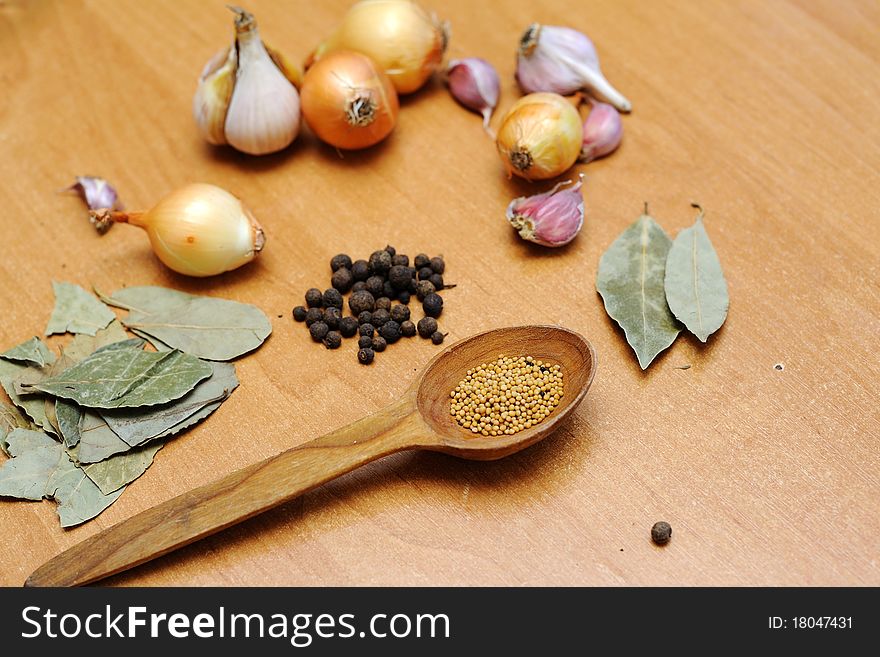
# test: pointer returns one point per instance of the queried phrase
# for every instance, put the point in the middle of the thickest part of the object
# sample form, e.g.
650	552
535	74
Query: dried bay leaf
41	468
695	287
85	345
32	405
68	415
32	352
631	281
97	441
125	377
77	311
120	470
158	345
207	327
10	420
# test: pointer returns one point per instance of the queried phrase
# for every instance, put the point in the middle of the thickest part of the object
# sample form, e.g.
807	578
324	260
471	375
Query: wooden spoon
420	419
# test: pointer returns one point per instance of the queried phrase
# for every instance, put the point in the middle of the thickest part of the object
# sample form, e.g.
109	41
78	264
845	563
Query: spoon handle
233	498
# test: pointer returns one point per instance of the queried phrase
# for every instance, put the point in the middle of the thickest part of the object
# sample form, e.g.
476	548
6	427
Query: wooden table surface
767	113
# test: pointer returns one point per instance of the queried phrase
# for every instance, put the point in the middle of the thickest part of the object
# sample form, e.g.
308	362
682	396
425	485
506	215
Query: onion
348	102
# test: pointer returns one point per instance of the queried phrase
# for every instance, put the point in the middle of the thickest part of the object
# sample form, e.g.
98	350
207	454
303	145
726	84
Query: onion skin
336	90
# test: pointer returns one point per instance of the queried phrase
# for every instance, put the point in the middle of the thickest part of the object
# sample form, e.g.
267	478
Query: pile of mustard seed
507	395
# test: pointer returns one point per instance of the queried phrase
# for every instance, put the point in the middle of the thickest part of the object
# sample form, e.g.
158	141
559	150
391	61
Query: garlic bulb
553	218
247	96
198	230
540	136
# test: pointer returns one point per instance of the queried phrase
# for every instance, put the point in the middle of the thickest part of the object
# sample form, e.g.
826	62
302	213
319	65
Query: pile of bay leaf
87	422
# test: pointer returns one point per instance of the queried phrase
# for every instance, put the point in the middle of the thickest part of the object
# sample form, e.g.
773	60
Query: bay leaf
32	352
40	468
631	281
696	290
136	425
125	377
97	441
112	474
158	345
77	311
85	345
207	327
68	415
193	419
11	419
31	405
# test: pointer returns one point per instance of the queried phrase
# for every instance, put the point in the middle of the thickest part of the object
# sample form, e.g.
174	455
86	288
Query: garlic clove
291	71
603	131
474	83
213	94
564	61
553	218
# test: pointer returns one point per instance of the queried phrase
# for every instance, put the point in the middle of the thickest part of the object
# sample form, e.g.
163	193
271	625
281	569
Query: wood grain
766	113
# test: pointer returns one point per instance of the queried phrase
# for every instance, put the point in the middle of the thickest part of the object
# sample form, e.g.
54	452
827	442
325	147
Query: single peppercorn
424	288
365	317
413	286
360	270
358	302
425	273
383	303
400	313
404	297
661	532
380	317
380	262
358	286
365	356
388	290
437	337
391	250
332	297
437	281
366	329
407	329
390	330
339	261
318	331
299	313
422	260
438	265
332	340
365	341
433	305
332	315
379	343
314	298
376	286
348	326
400	259
342	280
314	315
427	326
399	276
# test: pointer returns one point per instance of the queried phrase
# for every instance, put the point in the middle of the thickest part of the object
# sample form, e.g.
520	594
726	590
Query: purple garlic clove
474	83
603	131
564	61
553	218
98	195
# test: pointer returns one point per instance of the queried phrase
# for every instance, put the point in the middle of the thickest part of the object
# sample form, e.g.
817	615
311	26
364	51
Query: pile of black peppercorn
375	285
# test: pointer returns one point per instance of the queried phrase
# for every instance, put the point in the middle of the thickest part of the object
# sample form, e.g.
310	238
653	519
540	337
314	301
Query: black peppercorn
421	260
383	303
379	343
365	317
348	326
365	341
332	340
342	280
413	284
332	297
433	305
400	313
400	276
380	316
388	290
427	326
391	250
314	298
380	262
340	261
400	259
366	329
358	302
358	286
365	356
299	313
390	330
661	532
360	270
437	337
314	315
438	265
332	315
407	329
436	281
425	273
404	297
424	288
319	330
376	286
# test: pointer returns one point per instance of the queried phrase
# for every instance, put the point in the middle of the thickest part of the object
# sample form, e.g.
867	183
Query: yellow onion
348	102
197	230
540	136
403	39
